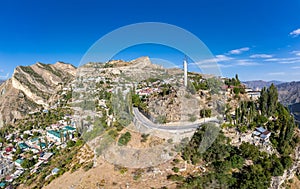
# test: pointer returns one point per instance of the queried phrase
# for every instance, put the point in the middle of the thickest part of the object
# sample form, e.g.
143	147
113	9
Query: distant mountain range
288	92
2	81
259	84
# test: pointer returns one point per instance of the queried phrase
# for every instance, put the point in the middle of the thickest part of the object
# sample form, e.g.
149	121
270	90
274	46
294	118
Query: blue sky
256	39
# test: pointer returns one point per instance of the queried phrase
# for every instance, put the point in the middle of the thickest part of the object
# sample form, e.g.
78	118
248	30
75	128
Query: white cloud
246	62
224	61
214	65
296	67
218	58
296	53
261	56
222	58
295	33
290	60
225	65
276	73
239	51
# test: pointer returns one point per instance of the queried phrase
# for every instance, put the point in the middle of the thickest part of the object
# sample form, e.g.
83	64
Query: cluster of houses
38	142
148	88
147	91
252	94
60	135
6	166
261	135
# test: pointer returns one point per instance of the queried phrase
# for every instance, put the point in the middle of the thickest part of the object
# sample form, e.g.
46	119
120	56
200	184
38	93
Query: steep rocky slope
295	109
289	93
30	88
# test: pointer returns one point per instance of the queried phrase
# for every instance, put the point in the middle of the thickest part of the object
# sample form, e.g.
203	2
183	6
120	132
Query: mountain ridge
259	84
31	87
288	92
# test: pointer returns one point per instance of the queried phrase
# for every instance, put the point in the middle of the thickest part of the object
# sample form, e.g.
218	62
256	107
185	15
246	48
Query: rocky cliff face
31	87
289	93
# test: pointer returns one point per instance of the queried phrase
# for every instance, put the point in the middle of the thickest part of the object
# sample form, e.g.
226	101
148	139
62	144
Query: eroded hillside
31	87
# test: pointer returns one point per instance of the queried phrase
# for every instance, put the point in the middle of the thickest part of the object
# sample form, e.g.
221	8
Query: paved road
183	126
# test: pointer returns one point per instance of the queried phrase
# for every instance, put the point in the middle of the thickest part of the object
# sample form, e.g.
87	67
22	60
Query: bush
205	113
175	177
113	133
175	169
88	166
161	119
144	137
70	143
137	174
79	142
192	118
286	162
176	160
124	139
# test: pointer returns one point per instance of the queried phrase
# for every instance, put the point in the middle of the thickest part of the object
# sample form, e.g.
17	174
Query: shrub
144	137
175	169
88	166
124	139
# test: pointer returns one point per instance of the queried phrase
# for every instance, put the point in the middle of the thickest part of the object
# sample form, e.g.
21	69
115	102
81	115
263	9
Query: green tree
214	84
27	163
263	101
249	151
237	161
237	81
272	100
40	144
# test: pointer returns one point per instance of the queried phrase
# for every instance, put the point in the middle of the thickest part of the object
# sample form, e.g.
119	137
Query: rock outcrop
31	87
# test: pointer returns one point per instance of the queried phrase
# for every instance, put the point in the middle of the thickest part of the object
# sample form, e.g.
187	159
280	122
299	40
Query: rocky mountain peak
143	59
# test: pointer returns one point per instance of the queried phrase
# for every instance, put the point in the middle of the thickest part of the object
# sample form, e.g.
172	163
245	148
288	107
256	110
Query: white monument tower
185	72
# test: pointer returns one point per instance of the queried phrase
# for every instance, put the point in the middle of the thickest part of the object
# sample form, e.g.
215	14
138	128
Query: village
32	149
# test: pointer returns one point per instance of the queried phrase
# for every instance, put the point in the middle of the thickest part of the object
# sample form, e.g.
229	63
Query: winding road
183	126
